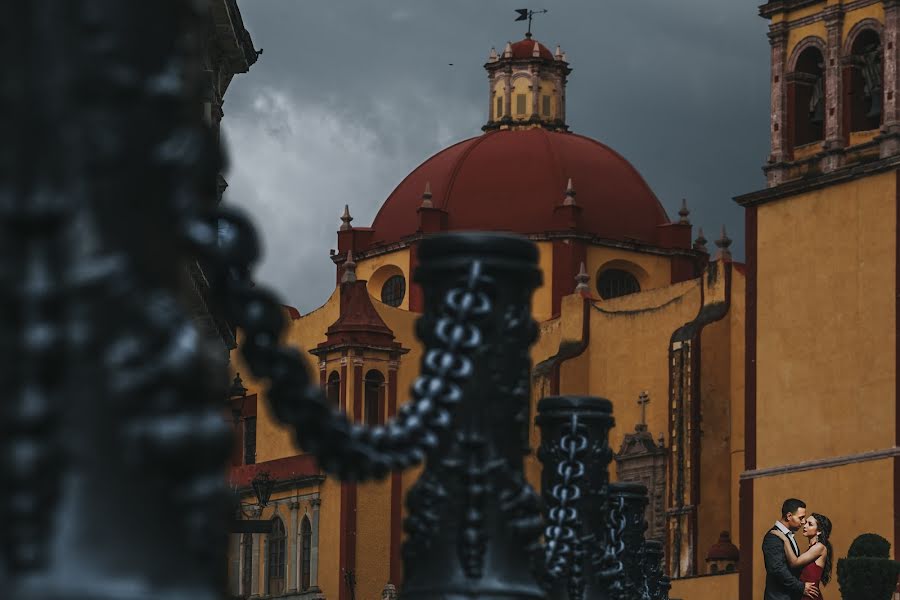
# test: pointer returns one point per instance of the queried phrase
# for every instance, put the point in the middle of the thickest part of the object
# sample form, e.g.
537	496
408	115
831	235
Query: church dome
525	49
511	180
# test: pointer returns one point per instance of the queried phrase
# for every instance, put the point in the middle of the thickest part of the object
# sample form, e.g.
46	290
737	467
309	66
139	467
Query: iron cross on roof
643	401
525	13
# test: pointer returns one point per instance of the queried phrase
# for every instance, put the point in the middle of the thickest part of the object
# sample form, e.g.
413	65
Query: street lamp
262	486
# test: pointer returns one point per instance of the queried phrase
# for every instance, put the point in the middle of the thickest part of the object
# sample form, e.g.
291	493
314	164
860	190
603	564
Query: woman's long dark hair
824	525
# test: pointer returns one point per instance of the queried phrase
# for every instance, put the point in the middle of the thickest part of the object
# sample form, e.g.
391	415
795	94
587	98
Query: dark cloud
350	96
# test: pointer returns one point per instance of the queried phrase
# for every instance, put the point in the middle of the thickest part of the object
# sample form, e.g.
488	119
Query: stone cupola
527	86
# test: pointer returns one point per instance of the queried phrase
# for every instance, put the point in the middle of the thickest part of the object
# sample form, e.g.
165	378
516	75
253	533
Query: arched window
275	559
393	290
333	390
246	564
374	397
865	89
808	105
306	549
613	283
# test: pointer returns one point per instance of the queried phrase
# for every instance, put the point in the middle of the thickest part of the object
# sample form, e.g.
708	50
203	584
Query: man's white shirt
790	536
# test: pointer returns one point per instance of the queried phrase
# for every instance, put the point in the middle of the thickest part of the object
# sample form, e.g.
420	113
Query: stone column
834	98
314	543
292	574
890	130
507	92
780	151
535	92
492	102
254	578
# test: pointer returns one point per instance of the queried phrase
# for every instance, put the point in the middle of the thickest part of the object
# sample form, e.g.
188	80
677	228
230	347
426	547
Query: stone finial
684	212
237	387
349	269
723	243
492	57
507	51
426	196
558	54
389	592
570	194
537	50
346	218
700	242
582	280
564	58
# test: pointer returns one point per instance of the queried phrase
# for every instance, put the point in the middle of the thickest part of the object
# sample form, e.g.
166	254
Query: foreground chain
228	243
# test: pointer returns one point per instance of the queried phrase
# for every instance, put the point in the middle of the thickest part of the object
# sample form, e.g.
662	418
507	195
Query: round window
613	283
393	290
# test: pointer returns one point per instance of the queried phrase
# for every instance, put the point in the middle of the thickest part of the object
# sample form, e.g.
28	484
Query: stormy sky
349	96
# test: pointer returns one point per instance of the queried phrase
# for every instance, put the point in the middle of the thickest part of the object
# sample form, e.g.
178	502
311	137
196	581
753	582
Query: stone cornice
636	246
830	14
822	463
799	186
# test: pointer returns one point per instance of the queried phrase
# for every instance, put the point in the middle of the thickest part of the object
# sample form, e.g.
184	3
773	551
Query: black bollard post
652	568
627	502
473	520
575	453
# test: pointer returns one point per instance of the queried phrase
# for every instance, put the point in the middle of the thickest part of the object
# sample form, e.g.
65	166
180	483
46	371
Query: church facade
734	385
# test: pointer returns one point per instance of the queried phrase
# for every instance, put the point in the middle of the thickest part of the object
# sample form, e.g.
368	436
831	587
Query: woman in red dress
816	561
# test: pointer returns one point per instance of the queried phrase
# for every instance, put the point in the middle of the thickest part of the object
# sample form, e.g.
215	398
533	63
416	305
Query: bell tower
527	86
834	78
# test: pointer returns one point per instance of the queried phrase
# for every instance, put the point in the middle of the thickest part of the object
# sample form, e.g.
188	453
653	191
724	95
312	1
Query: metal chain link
227	241
611	567
646	571
560	534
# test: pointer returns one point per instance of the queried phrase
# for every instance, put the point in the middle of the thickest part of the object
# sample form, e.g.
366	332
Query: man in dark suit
782	582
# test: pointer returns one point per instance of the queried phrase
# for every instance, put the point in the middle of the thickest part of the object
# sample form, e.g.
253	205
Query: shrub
870	545
866	578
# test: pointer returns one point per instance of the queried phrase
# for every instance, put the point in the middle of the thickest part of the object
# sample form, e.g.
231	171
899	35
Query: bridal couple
792	574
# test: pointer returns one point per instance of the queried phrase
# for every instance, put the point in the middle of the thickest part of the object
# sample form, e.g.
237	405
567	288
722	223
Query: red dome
511	180
525	49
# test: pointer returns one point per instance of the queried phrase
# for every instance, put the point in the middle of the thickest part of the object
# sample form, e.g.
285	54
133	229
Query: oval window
613	283
393	290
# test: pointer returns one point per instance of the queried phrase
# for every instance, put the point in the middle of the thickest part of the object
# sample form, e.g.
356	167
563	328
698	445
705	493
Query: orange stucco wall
709	587
826	322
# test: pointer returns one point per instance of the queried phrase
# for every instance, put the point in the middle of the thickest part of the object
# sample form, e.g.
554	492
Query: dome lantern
527	87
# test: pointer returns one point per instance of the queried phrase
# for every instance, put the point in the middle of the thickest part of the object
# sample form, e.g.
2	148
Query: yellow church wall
826	322
542	300
737	321
378	269
834	492
797	34
629	348
651	270
706	587
851	18
716	483
329	571
373	538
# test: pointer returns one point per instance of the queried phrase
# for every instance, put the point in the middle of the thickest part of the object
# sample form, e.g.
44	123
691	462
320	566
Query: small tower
527	87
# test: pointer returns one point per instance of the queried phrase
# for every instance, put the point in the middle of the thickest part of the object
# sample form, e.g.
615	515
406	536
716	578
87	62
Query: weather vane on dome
525	13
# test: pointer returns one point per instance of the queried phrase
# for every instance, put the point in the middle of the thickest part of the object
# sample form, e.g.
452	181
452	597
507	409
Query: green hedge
867	578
